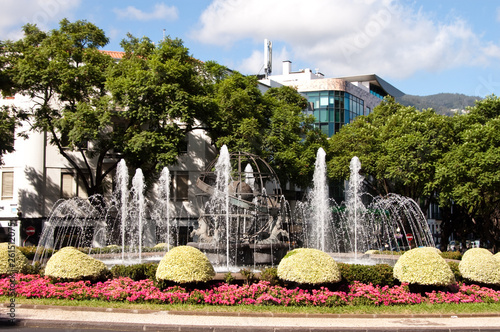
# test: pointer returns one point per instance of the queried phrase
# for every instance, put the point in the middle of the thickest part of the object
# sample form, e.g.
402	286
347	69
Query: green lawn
451	309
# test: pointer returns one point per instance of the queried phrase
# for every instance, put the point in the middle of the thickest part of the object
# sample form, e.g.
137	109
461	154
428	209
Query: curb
71	325
246	314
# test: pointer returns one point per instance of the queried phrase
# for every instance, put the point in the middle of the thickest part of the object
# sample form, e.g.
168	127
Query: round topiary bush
71	264
185	264
12	259
308	266
480	265
423	266
497	256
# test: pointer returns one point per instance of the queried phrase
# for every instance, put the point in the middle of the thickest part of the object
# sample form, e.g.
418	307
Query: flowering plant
70	263
261	293
185	264
480	265
308	266
423	266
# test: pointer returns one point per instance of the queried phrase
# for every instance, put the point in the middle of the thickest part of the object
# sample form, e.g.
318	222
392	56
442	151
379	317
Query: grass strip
445	308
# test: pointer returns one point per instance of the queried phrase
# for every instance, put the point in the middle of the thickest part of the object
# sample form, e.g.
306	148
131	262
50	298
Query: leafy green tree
470	172
99	111
63	73
242	114
7	126
7	119
399	148
161	93
271	125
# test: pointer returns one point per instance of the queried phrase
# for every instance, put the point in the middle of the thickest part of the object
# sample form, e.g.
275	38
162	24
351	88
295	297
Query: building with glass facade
334	101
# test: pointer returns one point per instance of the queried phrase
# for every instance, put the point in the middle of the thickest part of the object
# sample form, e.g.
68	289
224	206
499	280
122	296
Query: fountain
245	217
245	220
161	214
83	223
320	235
348	229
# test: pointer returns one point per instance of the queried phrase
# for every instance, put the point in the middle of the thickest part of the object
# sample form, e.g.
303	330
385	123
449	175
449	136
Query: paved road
43	318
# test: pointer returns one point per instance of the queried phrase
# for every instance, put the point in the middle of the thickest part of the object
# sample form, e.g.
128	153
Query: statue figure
202	231
275	233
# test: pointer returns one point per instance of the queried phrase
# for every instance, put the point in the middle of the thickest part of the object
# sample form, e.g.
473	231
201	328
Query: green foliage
451	255
7	125
308	266
423	266
12	259
479	265
136	272
159	89
469	174
64	75
272	126
270	274
399	148
71	264
379	274
185	264
241	115
247	275
31	251
456	271
291	141
228	278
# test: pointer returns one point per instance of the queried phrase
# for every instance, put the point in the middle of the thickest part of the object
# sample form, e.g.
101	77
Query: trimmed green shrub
185	264
456	271
136	272
423	266
162	245
12	259
308	266
70	263
452	255
379	274
480	265
497	256
30	251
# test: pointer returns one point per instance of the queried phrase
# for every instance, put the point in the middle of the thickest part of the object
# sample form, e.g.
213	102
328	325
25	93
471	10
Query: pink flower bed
262	293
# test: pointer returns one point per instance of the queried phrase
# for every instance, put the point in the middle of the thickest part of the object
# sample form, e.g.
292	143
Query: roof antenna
268	57
163	34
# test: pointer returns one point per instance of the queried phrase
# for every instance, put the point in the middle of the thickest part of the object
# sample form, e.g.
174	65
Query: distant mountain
442	103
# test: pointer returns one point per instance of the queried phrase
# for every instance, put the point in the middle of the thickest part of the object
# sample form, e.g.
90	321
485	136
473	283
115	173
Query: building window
7	185
72	186
67	185
181	186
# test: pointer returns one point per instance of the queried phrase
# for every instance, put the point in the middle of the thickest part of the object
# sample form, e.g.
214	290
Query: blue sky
421	47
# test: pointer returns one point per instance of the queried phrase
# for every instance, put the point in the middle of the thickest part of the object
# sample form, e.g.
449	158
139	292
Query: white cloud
159	12
346	37
43	13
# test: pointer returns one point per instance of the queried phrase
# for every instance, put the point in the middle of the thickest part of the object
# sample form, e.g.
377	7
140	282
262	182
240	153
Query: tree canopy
141	107
469	173
271	125
430	157
160	94
64	75
399	148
